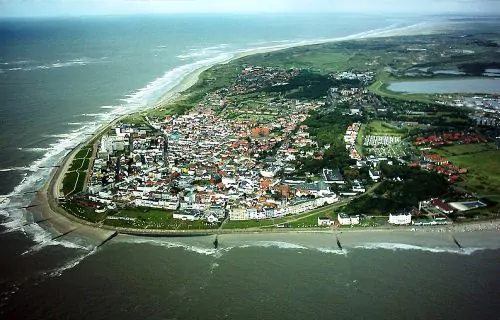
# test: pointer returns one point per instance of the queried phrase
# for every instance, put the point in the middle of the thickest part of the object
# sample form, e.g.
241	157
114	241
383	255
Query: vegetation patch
482	163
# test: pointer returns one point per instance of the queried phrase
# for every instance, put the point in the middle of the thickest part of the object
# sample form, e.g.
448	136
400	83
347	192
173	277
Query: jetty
216	242
456	242
109	238
63	234
338	242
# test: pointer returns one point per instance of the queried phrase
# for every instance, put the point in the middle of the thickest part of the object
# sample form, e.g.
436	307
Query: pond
486	85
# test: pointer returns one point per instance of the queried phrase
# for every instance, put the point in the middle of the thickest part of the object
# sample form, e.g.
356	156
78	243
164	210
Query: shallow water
486	85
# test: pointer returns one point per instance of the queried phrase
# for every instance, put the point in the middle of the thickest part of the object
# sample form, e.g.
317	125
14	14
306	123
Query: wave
107	107
277	244
69	265
92	114
49	242
210	251
203	52
147	95
187	247
32	149
29	65
403	246
14	169
17	62
342	252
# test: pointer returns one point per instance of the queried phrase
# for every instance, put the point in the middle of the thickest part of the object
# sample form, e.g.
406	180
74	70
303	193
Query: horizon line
256	13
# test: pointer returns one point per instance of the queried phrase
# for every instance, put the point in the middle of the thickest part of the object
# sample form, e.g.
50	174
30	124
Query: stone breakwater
493	225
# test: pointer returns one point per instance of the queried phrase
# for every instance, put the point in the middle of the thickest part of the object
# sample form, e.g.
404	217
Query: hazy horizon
69	8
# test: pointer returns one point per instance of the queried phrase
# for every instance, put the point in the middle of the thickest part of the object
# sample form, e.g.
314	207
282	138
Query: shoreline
62	221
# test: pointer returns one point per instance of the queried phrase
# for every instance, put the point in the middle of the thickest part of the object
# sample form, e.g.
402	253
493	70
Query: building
333	176
346	220
441	206
400	218
324	221
238	214
185	216
374	175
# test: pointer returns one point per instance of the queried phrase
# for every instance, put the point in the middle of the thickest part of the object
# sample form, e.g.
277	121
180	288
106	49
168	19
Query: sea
63	78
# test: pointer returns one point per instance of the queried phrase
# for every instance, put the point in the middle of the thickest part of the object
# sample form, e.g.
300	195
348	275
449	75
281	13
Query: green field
382	128
148	218
483	164
85	213
74	179
359	139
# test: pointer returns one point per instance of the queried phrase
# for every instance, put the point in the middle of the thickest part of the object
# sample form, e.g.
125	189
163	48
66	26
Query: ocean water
60	79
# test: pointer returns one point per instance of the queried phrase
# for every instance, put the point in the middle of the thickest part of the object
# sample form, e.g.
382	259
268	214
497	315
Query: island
345	135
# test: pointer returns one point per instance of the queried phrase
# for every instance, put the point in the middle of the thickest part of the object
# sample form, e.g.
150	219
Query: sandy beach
61	221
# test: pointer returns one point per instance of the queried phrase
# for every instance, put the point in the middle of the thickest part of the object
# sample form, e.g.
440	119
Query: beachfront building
186	216
346	220
441	206
238	214
400	218
324	221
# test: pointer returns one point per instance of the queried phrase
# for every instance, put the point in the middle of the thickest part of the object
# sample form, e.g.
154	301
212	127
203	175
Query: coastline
62	221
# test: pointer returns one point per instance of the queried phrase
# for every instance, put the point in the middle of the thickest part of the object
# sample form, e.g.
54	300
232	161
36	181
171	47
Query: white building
322	221
354	220
238	214
375	175
399	219
185	216
345	220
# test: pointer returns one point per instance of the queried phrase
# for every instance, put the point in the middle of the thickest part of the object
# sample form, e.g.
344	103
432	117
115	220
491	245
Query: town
257	150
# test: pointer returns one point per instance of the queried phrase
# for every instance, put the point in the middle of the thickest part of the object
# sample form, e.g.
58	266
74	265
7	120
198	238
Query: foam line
403	246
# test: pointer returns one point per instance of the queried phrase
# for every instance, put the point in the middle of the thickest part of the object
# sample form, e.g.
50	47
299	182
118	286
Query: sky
13	8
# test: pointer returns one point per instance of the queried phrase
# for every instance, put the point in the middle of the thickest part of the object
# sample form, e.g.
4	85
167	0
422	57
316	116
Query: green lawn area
464	149
79	164
69	182
482	162
74	179
135	118
83	153
312	221
249	224
148	218
382	128
359	139
85	213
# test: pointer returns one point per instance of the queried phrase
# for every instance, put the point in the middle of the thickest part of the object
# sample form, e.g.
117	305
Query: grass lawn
312	221
148	218
85	213
381	128
69	182
482	162
83	153
359	139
